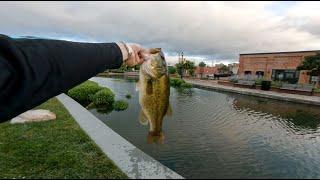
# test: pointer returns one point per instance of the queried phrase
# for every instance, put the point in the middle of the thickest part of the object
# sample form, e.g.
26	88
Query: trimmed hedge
276	84
84	92
179	83
174	82
120	105
186	86
103	97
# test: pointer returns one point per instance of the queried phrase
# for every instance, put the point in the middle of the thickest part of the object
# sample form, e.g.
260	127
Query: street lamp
182	69
182	56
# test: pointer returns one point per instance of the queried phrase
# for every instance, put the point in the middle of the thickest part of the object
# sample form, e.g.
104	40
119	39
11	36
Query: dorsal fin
154	50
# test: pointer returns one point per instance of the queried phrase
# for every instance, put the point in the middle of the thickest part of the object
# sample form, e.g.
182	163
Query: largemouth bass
154	92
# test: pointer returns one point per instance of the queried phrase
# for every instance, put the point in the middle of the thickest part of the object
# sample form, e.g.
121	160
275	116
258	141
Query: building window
247	74
259	74
285	75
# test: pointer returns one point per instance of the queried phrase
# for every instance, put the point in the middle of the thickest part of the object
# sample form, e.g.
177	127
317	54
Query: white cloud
212	30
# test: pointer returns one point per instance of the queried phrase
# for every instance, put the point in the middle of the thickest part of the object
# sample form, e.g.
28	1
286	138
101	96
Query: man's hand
133	59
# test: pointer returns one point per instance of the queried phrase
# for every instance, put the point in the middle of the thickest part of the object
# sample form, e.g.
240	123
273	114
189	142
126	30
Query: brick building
205	71
275	66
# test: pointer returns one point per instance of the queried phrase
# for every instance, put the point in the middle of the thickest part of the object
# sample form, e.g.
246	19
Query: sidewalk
212	85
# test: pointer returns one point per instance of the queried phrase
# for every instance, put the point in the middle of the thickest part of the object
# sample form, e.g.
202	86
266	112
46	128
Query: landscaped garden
91	95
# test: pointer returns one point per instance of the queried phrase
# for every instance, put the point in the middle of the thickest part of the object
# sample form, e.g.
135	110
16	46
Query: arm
35	70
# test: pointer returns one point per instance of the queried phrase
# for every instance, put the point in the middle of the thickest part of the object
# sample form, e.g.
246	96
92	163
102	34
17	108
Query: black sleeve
35	70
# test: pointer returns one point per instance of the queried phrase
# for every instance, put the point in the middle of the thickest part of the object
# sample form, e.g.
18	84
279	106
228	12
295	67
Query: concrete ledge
311	100
132	161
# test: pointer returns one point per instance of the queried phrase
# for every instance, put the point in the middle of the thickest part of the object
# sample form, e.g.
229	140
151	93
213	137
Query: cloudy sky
211	31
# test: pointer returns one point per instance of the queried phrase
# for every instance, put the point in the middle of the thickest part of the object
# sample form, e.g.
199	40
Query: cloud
305	17
206	30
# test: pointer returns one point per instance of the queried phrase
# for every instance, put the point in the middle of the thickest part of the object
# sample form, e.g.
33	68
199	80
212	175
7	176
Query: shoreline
202	84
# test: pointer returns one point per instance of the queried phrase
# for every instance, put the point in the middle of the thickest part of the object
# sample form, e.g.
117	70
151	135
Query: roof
280	52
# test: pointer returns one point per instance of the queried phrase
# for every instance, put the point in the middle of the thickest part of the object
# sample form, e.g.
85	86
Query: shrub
103	97
120	105
258	81
174	82
276	84
317	90
128	96
83	92
186	86
172	70
179	83
233	79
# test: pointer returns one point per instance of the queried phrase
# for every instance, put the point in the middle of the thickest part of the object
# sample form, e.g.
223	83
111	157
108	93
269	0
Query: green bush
128	96
186	86
174	82
83	92
103	97
276	84
179	83
258	81
172	70
317	90
233	79
120	105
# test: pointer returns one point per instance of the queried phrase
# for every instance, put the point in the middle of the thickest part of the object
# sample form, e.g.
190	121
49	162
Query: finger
138	60
136	47
144	54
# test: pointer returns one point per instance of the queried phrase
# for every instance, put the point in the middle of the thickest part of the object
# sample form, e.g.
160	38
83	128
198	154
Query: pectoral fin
143	118
169	111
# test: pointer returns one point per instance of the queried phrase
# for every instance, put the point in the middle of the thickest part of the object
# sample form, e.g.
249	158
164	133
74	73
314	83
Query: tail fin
158	139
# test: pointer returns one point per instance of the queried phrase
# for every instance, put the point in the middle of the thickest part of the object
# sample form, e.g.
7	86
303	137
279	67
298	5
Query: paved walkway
132	161
212	85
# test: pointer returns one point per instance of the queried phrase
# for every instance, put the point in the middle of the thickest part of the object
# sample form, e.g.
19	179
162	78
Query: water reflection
154	136
295	116
103	110
223	135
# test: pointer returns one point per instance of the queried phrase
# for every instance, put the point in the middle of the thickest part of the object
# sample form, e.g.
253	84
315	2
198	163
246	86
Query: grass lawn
55	149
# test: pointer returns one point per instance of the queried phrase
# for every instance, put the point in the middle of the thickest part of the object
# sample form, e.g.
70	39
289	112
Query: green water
223	135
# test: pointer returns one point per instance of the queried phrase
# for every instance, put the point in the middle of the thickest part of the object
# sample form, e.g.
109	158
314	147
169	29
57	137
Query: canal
224	135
